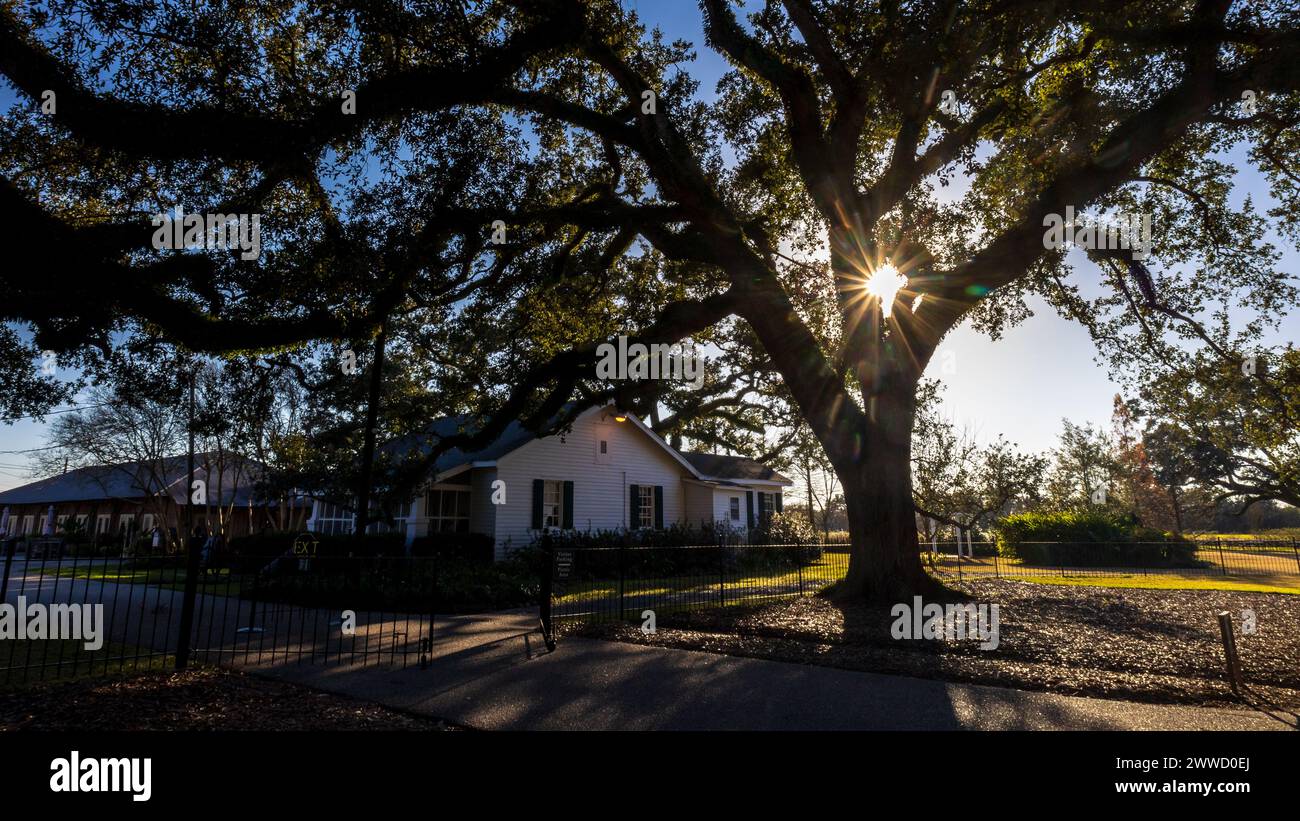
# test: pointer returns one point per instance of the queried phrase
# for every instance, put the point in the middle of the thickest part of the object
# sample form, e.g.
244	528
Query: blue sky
1022	385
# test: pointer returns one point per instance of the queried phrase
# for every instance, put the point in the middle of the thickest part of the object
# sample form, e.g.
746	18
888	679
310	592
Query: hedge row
1089	539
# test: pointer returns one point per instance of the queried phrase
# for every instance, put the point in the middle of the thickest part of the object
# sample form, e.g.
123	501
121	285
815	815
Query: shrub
685	550
784	528
789	529
1089	539
271	543
470	547
674	535
397	584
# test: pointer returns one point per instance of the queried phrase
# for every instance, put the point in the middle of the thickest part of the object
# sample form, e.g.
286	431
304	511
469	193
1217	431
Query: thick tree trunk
885	561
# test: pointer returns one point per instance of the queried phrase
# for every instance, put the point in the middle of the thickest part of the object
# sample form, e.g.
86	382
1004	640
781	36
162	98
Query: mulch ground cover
200	699
1157	646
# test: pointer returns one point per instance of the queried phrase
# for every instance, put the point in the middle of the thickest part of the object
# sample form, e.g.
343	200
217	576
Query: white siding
722	506
699	504
600	483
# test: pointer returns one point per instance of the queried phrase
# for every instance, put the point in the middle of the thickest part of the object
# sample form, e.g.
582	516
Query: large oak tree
663	215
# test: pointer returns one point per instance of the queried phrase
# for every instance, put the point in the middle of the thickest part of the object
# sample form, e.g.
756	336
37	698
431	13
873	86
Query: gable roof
134	480
733	468
704	466
513	437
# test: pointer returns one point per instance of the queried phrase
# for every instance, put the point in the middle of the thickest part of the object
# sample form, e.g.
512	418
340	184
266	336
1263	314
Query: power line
52	413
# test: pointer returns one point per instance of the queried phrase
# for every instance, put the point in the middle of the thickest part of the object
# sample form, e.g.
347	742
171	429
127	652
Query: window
604	447
126	523
146	523
379	520
734	505
332	519
553	504
400	516
646	506
768	504
448	510
102	523
29	524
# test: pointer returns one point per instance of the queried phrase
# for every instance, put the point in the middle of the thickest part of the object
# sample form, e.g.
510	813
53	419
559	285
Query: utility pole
189	481
373	399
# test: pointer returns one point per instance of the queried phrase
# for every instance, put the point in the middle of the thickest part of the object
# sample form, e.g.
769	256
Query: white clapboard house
608	471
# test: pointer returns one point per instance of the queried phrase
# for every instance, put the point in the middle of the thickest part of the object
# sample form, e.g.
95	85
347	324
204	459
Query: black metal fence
1260	559
247	611
623	583
78	615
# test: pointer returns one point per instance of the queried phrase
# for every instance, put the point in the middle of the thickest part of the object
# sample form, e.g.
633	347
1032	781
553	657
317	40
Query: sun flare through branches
884	284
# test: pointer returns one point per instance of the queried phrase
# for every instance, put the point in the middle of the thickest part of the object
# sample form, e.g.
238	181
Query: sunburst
884	284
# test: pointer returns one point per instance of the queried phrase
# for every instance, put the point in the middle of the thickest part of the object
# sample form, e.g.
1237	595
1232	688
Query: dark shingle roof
132	480
736	468
511	438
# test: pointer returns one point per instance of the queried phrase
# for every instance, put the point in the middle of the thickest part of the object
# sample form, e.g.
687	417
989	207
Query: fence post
622	579
959	554
1222	561
1230	656
997	567
1295	550
433	605
11	545
187	603
722	573
548	576
799	564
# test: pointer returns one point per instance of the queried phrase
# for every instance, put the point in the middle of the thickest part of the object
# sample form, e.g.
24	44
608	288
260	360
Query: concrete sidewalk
492	672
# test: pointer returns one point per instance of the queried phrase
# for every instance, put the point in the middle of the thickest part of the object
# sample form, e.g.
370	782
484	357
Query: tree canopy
527	179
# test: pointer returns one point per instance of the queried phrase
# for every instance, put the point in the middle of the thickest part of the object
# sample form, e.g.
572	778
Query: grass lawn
69	660
814	576
1263	535
218	582
748	587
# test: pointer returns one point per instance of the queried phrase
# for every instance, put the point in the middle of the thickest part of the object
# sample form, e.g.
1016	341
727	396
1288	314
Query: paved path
491	672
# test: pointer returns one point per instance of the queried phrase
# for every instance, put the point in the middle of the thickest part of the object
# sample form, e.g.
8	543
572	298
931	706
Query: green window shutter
634	507
762	509
777	498
568	505
749	507
659	507
539	490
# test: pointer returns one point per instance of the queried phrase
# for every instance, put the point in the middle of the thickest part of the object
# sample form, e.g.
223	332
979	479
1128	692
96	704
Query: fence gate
556	570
